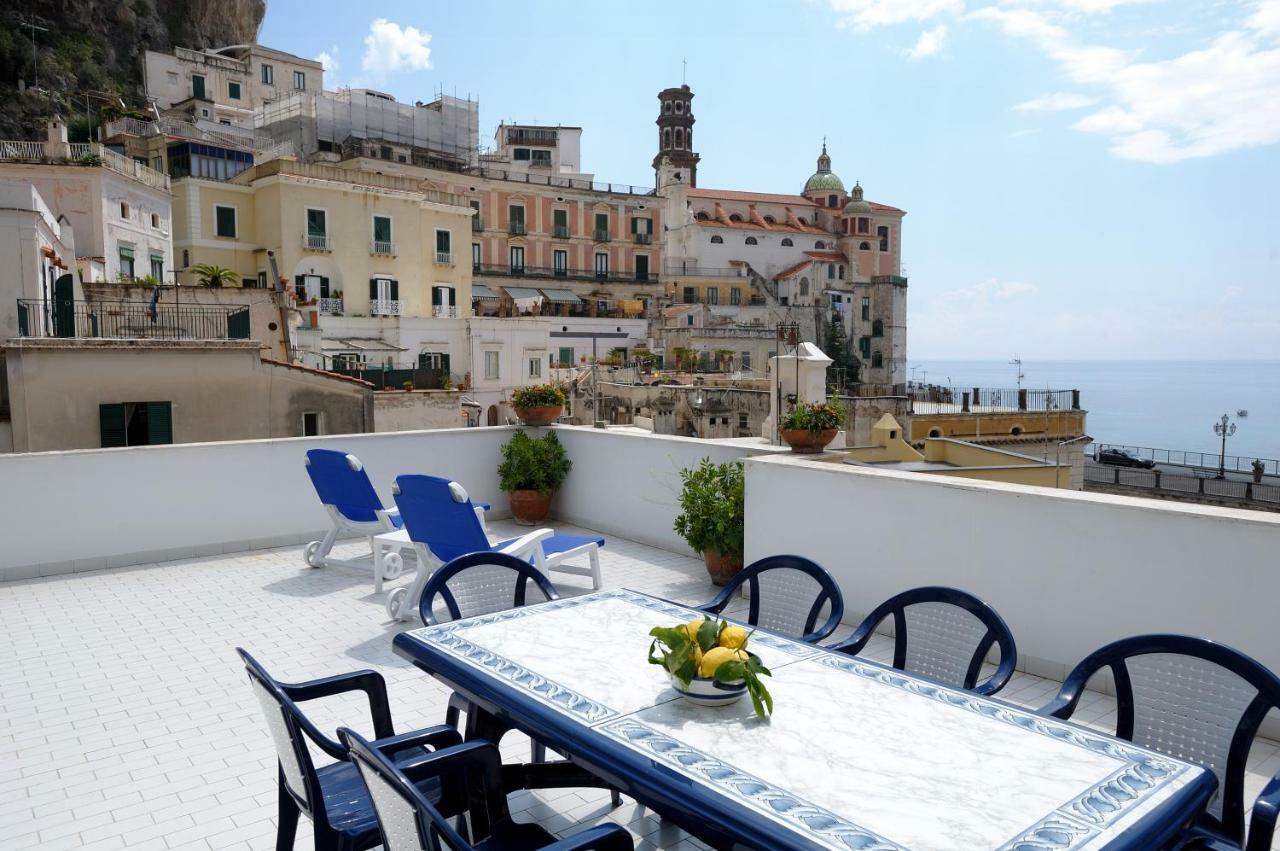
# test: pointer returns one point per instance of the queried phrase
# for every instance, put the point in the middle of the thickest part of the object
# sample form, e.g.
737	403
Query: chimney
55	146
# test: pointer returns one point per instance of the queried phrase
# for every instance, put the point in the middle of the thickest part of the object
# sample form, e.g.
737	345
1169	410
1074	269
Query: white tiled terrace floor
126	720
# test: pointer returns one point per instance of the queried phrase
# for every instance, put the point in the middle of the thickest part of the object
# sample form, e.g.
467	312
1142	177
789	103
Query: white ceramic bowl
705	691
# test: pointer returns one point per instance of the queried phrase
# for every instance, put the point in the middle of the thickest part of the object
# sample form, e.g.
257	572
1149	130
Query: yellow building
350	242
944	456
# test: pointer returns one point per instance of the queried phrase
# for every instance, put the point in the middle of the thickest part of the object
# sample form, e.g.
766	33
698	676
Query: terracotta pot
540	415
529	507
805	442
721	567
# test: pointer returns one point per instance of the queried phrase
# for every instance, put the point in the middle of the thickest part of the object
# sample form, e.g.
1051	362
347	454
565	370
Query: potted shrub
809	428
408	386
531	472
1258	469
711	515
539	404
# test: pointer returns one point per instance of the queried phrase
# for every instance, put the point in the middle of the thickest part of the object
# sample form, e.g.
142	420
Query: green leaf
686	671
708	634
730	672
755	666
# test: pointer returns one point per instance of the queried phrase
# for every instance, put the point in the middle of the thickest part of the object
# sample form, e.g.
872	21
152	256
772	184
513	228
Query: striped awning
562	297
522	292
479	292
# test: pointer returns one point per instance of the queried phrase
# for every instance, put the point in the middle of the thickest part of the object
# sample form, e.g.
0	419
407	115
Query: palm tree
213	276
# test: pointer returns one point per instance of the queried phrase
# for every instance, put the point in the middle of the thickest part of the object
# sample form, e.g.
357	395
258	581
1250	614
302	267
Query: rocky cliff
96	46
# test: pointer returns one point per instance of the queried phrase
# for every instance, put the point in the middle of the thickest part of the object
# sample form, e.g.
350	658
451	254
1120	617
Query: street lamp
1224	428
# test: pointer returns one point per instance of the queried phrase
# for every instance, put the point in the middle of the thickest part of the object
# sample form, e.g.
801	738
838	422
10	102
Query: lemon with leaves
717	656
733	637
692	627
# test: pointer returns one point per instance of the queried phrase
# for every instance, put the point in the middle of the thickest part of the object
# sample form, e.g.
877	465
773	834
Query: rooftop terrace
125	720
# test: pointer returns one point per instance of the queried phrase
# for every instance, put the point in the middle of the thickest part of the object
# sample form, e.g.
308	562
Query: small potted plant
531	472
711	515
408	386
808	428
1258	469
539	404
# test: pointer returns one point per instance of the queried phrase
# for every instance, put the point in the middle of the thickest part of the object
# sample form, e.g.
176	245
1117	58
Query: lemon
692	627
734	637
717	656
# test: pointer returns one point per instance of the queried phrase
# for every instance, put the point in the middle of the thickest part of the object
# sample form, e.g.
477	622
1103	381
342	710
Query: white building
38	249
226	85
119	209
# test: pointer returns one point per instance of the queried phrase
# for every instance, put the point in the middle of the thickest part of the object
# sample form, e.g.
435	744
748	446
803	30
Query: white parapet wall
90	509
1069	571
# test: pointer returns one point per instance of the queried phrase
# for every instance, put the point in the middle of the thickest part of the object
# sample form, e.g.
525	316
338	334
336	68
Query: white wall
628	484
1069	571
90	509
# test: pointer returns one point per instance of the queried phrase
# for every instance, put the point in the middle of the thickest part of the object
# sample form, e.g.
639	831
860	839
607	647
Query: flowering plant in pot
539	404
531	472
711	515
807	428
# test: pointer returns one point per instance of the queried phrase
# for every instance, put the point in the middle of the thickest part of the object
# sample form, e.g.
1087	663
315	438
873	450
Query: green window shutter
395	290
435	296
444	364
300	287
635	223
159	423
561	218
453	297
111	425
373	289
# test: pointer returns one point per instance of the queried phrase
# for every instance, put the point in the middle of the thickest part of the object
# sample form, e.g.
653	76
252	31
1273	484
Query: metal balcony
644	238
560	231
383	249
516	229
602	235
384	307
444	257
316	242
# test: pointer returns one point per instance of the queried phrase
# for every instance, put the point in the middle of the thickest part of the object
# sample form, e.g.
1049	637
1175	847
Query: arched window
666	107
831	270
786	242
877	360
863	246
770	220
840	272
666	137
819	245
735	218
679	107
702	216
833	200
804	286
717	240
751	240
679	137
877	328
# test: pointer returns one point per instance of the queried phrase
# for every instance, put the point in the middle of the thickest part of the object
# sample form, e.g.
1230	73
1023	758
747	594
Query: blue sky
1083	178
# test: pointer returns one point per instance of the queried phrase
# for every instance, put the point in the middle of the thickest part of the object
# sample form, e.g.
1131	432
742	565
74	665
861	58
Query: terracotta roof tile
757	197
827	256
788	272
782	227
315	371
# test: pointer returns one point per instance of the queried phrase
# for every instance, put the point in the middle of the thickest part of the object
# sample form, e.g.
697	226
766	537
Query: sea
1161	404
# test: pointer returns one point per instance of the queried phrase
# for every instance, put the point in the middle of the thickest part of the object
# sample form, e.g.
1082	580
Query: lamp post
1224	428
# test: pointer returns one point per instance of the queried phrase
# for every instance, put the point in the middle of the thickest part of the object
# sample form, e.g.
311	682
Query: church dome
857	206
823	180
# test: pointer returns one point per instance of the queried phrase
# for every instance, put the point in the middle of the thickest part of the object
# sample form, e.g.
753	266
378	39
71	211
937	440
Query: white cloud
1055	102
866	14
929	44
1201	103
390	47
1085	7
329	60
990	290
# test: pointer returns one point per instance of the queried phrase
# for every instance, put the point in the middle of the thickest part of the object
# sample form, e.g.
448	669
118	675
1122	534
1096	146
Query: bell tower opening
675	134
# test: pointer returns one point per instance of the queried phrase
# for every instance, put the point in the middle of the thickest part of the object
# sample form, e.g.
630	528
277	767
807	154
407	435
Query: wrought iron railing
444	311
316	242
132	320
516	229
1200	460
602	235
1183	483
560	231
384	307
330	306
444	257
382	249
931	398
644	238
556	272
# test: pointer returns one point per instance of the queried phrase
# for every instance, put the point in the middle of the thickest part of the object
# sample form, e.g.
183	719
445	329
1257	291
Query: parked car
1120	458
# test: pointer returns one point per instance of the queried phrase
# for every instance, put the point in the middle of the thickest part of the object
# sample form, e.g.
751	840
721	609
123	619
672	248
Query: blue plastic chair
470	779
1196	700
933	627
354	510
332	796
788	594
442	524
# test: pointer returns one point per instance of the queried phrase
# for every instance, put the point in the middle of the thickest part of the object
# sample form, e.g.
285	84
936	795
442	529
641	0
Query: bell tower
675	138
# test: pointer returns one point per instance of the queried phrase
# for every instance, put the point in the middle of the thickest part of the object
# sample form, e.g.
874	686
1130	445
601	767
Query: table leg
560	774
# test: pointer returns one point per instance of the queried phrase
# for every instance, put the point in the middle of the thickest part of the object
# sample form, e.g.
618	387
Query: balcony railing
691	269
383	249
79	153
516	229
444	257
477	224
316	242
125	320
602	235
556	272
329	306
931	398
644	238
560	231
444	311
384	307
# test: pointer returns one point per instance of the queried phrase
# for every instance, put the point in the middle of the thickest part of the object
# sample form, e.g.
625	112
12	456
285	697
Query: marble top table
856	755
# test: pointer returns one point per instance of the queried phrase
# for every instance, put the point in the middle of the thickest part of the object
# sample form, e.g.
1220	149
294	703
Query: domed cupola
823	181
857	206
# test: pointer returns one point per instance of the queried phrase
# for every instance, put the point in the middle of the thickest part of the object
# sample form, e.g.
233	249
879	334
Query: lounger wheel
392	566
309	554
397	601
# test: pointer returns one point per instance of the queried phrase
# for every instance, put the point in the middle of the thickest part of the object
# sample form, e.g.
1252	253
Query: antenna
1016	363
684	68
